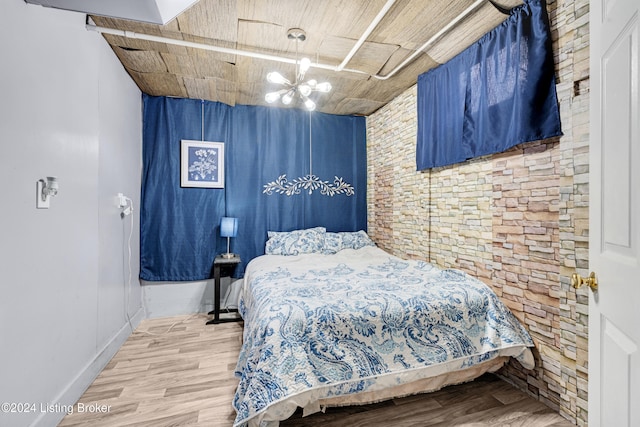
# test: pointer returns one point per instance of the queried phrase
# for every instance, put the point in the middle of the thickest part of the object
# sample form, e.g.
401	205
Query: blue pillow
332	243
295	242
356	240
335	242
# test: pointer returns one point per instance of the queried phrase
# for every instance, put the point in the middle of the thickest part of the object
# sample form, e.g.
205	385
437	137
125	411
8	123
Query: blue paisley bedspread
319	326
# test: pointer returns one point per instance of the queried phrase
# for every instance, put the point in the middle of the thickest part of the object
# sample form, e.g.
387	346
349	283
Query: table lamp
228	229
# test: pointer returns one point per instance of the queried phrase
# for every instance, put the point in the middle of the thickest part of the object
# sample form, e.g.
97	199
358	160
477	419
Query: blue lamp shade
228	228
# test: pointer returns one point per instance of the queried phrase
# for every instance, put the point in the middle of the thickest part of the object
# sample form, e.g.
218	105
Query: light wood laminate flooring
179	372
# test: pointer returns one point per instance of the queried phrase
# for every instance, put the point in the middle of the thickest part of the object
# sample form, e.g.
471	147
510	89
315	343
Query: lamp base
228	255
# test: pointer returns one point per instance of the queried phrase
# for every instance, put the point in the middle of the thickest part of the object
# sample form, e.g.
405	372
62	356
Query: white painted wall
164	299
67	108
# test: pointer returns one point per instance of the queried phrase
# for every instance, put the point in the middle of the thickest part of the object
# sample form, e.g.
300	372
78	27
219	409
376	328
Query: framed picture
201	164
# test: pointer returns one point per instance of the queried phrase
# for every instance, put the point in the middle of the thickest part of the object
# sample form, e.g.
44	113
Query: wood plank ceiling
332	29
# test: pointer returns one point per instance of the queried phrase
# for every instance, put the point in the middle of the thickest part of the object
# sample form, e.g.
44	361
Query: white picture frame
201	164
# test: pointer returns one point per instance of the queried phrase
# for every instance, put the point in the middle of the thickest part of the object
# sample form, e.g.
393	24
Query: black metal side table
228	265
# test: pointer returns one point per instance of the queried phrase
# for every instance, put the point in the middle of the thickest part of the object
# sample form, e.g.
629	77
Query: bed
334	320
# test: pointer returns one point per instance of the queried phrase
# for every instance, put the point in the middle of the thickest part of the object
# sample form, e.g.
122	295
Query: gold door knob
577	281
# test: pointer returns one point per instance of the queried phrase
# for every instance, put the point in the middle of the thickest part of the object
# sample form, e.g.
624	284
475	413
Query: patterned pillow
295	242
335	242
332	243
356	240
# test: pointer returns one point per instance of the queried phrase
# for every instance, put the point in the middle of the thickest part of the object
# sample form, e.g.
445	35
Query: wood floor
179	372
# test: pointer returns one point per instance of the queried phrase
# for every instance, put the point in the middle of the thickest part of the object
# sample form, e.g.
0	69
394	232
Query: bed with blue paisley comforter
361	320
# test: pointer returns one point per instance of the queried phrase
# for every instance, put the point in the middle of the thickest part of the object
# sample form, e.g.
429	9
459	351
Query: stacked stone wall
517	220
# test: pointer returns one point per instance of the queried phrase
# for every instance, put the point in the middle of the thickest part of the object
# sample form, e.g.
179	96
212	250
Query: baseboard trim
72	392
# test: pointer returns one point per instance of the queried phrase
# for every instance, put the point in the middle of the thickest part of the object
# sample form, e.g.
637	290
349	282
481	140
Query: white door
614	228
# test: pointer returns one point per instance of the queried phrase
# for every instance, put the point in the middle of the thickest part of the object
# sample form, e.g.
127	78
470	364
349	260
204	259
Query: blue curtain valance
496	94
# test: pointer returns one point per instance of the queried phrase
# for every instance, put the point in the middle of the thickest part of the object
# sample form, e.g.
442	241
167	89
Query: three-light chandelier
298	87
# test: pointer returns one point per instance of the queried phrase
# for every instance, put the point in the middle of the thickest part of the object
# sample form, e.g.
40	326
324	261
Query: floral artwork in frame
201	164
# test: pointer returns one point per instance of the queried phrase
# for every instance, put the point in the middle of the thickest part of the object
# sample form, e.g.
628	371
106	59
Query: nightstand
222	266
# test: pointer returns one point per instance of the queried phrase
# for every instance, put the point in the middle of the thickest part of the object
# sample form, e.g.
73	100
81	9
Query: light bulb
305	63
287	98
304	89
323	87
312	83
272	97
309	104
276	77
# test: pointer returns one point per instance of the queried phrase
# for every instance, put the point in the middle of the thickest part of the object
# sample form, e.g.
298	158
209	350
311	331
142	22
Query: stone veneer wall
517	220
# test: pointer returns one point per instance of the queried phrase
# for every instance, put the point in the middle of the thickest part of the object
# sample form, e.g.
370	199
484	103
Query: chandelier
298	87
